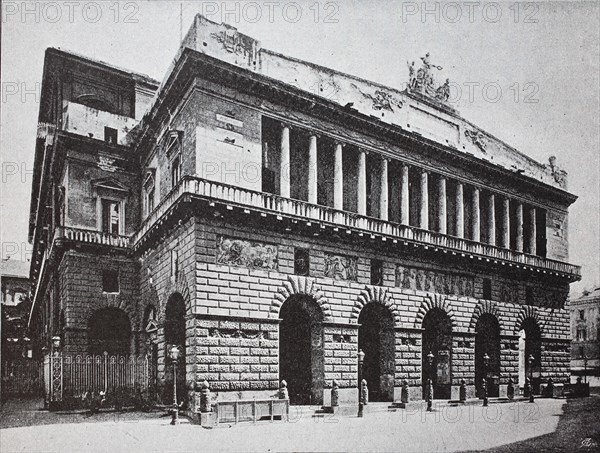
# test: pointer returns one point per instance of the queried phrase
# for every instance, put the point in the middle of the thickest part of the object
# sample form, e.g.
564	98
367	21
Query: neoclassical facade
272	217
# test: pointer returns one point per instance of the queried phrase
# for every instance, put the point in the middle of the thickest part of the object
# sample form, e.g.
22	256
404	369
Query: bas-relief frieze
509	292
250	254
340	267
434	281
546	297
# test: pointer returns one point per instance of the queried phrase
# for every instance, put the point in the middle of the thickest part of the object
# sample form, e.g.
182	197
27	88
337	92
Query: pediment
109	184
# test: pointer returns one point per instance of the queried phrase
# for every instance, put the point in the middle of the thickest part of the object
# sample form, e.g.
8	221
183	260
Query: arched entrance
109	330
487	341
175	335
376	340
530	345
301	357
437	339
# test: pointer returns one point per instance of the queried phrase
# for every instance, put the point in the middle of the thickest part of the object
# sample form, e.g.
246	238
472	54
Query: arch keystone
304	286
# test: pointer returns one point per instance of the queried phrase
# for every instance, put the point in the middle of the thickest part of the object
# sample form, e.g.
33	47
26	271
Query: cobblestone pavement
446	429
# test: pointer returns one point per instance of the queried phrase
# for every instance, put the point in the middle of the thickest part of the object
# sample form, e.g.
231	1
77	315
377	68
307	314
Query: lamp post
174	356
585	361
486	361
429	388
361	358
530	360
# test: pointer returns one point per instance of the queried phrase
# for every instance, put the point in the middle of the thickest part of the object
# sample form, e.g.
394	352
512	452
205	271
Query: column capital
286	125
340	143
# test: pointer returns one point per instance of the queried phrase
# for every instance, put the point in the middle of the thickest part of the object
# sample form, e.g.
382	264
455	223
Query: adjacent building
272	217
585	334
15	307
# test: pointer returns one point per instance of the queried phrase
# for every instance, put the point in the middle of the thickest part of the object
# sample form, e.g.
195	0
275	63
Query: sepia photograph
300	226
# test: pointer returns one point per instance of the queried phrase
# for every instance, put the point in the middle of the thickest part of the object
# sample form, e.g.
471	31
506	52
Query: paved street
447	429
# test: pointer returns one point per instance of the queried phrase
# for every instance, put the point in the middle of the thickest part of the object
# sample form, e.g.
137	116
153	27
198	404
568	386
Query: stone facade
271	237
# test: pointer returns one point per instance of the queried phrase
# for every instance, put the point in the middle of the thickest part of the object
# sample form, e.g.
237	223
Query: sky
527	73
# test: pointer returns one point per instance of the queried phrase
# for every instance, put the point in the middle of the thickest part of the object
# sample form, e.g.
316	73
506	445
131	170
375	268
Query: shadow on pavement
16	413
578	430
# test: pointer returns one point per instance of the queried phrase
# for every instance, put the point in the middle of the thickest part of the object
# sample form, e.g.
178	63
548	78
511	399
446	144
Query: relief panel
250	254
434	281
340	267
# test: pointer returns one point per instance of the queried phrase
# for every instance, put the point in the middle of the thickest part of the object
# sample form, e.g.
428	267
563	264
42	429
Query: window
582	315
529	299
175	170
377	272
174	139
487	288
175	264
111	216
110	135
149	191
110	281
581	334
301	262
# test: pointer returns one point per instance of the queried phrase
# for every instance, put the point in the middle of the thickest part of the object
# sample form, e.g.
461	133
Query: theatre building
273	217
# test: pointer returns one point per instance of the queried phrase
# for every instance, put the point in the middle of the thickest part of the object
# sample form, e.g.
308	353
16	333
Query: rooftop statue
422	80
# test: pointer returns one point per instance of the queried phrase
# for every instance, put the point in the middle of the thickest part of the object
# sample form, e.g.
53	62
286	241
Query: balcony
353	223
92	237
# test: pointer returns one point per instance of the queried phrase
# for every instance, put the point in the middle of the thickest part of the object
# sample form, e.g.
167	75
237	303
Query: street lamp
174	356
585	361
530	360
56	342
486	361
429	388
361	358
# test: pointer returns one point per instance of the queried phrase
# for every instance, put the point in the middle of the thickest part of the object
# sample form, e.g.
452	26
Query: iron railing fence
104	373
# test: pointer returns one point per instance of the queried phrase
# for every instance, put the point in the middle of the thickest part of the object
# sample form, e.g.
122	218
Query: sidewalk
449	428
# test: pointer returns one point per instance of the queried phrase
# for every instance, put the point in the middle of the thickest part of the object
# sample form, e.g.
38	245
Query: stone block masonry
233	311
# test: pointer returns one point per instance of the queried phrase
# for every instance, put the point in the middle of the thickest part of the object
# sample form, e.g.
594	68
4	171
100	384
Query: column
338	182
362	183
383	193
424	215
312	170
476	213
519	220
442	224
404	199
532	232
505	223
460	211
491	217
284	168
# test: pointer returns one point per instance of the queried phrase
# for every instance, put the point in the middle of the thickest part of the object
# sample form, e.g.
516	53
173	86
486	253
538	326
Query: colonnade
497	231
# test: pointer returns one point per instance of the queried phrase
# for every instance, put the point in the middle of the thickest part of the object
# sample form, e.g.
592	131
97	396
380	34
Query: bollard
404	394
283	391
364	392
510	389
335	394
484	391
429	395
463	391
550	389
205	397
